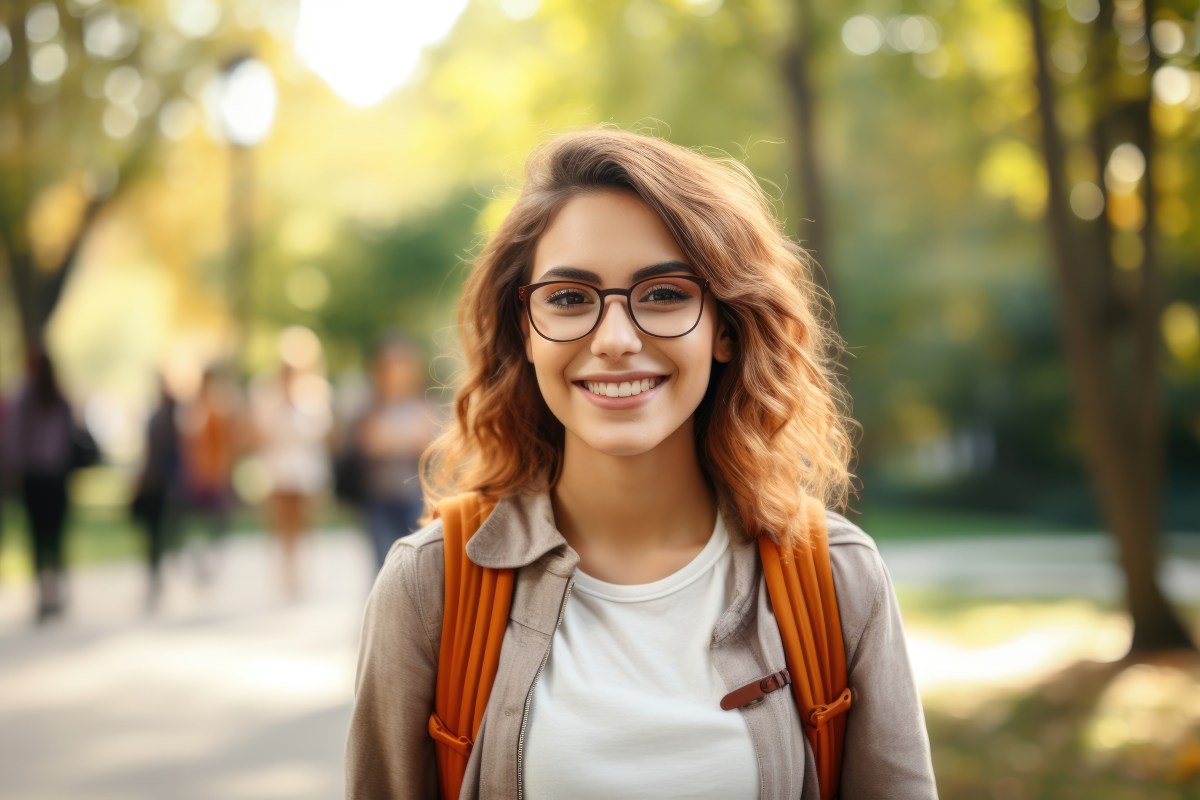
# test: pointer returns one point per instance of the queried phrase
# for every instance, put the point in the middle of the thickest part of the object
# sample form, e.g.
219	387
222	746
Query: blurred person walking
156	498
386	443
42	446
208	438
292	424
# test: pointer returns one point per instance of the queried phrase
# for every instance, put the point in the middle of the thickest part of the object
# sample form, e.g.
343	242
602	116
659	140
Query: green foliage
407	277
930	157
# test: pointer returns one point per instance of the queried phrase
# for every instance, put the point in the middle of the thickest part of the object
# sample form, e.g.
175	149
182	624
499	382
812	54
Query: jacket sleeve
887	745
389	753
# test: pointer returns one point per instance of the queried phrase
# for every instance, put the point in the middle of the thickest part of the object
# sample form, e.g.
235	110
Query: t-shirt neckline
713	550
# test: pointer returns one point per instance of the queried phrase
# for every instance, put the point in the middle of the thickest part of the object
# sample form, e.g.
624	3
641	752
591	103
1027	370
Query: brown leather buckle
755	690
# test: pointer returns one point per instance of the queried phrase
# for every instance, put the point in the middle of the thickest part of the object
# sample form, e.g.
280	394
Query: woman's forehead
606	237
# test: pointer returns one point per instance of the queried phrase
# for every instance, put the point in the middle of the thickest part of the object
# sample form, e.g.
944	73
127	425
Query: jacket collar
521	529
518	532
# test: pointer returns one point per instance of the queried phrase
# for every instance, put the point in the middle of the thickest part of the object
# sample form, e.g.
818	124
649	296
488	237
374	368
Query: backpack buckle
823	713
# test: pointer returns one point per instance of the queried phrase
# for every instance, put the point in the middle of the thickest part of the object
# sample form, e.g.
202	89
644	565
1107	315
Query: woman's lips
598	392
622	388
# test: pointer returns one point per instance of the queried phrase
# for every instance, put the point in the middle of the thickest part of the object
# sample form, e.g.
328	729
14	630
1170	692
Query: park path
1037	565
230	692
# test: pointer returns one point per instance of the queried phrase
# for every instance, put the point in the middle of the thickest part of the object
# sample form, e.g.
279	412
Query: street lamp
248	101
246	109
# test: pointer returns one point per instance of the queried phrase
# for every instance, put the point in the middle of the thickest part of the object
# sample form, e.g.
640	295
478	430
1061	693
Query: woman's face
603	238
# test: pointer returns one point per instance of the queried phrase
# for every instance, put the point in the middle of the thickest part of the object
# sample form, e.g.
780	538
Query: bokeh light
48	63
520	9
863	34
109	32
1167	36
1087	201
1126	166
195	18
246	100
299	347
307	288
1083	11
1172	85
1181	331
366	49
41	23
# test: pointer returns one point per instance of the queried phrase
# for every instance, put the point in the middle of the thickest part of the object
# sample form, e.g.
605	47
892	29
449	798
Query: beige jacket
390	754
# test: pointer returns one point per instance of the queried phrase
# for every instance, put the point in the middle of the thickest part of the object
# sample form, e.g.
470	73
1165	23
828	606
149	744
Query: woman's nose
616	334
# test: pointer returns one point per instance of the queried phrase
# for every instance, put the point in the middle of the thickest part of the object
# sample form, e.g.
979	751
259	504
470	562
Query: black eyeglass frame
525	292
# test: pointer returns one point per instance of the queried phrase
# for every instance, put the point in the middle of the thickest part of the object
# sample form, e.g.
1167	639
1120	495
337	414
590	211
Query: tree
1111	302
797	66
81	94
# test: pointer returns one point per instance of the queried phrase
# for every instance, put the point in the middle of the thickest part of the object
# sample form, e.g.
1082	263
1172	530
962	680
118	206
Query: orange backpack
800	584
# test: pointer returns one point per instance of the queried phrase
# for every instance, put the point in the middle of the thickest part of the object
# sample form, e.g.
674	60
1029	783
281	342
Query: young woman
649	388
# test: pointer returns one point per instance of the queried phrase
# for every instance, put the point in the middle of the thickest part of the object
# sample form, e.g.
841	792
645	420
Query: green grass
98	534
1089	730
904	523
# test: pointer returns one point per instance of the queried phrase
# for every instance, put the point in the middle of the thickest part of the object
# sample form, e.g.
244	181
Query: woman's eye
665	293
567	297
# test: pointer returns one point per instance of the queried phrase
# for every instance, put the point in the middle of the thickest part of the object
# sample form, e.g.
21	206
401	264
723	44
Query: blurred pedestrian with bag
156	497
43	446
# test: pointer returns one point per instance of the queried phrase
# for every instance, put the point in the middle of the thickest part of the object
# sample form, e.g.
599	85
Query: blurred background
232	237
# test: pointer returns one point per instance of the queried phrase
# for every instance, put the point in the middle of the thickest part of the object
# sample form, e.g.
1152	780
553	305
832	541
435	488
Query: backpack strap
473	623
800	583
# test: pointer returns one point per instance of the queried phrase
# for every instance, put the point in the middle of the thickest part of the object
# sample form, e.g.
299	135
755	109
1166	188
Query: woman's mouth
622	388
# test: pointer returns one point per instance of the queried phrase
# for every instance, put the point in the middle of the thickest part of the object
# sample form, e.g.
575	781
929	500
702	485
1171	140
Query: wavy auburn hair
773	426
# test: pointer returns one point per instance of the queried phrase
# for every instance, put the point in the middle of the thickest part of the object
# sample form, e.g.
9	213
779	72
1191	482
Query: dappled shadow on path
1124	730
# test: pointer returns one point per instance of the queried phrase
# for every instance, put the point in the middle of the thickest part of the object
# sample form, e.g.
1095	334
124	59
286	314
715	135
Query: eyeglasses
666	307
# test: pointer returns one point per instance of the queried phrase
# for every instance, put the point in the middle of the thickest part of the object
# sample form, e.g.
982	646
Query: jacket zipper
562	609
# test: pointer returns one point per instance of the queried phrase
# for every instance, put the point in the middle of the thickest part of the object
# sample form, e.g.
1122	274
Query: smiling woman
649	405
366	49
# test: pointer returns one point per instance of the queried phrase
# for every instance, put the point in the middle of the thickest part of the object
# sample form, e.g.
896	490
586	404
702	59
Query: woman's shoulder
860	577
853	552
417	552
412	579
845	534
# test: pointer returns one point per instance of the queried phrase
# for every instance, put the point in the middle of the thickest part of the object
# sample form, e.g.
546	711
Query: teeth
622	389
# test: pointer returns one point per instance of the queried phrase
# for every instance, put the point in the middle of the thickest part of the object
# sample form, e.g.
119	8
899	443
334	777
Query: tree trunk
797	74
1119	403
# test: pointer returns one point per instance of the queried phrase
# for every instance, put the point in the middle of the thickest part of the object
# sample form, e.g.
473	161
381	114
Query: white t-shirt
628	704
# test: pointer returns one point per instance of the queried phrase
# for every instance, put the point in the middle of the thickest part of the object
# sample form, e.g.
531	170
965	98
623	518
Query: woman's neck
634	519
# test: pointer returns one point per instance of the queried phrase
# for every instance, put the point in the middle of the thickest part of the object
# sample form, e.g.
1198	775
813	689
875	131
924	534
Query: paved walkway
1037	566
229	692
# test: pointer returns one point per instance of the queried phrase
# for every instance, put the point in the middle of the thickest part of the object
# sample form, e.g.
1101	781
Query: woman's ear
725	345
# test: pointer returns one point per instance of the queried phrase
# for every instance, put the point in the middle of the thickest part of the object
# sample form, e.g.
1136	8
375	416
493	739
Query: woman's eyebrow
569	274
661	269
586	276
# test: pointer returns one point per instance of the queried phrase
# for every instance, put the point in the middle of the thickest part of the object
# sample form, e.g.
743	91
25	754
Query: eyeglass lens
664	307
